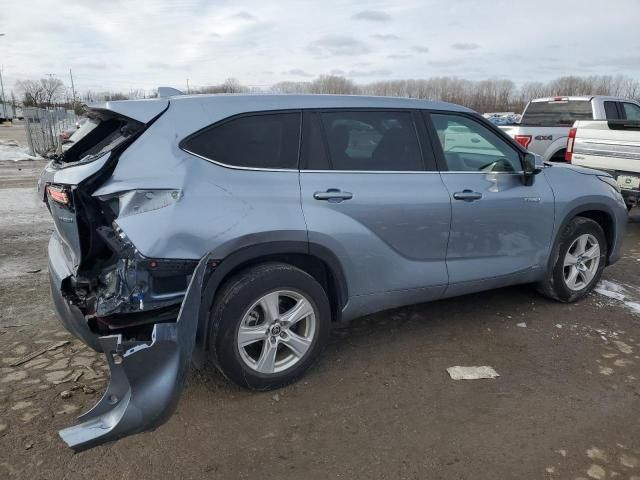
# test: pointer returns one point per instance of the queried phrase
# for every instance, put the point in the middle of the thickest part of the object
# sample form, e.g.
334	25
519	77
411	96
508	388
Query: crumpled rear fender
147	378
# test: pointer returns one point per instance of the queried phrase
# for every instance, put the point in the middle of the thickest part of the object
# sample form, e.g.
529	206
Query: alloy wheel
581	262
276	331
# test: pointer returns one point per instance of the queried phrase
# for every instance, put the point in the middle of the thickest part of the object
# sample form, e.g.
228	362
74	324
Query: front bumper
147	377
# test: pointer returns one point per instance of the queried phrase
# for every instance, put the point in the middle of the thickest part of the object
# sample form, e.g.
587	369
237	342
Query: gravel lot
379	405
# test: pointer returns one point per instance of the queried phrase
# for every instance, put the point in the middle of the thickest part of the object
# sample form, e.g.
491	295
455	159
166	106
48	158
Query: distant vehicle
6	111
68	132
612	146
83	127
235	229
545	124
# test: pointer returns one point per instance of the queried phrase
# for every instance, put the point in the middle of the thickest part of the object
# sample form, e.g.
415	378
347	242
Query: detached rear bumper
147	377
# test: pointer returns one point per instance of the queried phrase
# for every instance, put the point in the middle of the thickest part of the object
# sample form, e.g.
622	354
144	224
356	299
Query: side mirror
532	164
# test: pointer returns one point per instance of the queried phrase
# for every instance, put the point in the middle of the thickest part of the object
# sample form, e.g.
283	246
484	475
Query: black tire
555	286
236	296
558	157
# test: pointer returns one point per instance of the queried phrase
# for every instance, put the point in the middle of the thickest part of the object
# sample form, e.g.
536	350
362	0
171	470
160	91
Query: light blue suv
233	230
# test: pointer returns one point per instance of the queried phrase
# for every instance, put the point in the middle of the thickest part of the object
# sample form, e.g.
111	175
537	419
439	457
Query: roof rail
164	92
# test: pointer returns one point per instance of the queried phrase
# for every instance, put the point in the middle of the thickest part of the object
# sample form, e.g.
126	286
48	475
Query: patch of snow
521	325
634	306
611	289
618	292
471	373
11	150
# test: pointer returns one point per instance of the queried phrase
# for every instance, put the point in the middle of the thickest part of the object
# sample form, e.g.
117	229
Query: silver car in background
233	230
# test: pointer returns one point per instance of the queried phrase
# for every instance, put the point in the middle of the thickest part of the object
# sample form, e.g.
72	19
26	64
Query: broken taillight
58	194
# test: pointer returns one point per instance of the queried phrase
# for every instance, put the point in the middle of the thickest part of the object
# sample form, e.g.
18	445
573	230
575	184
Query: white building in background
7	111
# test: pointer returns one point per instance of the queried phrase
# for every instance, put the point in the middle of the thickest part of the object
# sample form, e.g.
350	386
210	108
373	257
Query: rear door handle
467	195
333	195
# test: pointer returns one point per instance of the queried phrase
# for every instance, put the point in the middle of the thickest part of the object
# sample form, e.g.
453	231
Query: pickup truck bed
545	124
612	146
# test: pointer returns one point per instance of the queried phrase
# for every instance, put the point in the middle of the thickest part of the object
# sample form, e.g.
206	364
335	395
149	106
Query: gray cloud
420	49
445	63
382	72
244	15
211	41
337	71
399	56
298	72
385	36
372	16
337	45
465	46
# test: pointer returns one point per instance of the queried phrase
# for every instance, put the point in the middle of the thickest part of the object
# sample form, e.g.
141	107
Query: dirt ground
14	131
380	403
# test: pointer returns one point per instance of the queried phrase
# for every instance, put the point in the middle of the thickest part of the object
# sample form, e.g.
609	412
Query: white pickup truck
612	146
545	124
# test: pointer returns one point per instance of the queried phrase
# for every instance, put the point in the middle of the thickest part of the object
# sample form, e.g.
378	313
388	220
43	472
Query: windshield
557	113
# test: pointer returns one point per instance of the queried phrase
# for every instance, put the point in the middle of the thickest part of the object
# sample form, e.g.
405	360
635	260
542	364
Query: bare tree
32	92
52	88
40	93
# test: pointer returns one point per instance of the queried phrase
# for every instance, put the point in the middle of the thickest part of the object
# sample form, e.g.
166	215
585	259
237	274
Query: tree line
491	95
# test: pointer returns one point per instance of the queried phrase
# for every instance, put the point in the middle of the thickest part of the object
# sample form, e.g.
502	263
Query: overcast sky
122	45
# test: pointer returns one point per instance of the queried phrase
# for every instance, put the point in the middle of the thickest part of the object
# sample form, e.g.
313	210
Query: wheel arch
556	146
598	212
316	260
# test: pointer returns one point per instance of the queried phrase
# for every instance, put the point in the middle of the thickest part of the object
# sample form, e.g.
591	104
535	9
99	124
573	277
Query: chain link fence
44	127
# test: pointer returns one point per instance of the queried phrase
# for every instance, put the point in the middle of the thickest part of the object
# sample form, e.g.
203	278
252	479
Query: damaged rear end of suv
139	311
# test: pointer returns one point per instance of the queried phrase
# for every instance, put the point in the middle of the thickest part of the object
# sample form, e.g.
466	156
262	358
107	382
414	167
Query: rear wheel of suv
269	325
581	256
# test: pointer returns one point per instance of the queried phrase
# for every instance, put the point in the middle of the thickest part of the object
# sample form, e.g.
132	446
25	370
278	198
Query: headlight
611	182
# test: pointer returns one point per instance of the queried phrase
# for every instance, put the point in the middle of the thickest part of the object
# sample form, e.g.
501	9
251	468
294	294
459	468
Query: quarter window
469	146
374	141
256	141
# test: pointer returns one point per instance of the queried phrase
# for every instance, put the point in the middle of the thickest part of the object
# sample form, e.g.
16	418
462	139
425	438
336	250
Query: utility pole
187	86
73	89
4	105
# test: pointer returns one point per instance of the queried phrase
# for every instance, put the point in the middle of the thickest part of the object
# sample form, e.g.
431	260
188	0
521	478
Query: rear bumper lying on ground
147	377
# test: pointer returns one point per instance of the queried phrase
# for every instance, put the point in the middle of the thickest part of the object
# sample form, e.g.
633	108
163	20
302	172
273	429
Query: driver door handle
467	195
333	195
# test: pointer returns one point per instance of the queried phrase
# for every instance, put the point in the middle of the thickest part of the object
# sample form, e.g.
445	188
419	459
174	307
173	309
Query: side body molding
146	378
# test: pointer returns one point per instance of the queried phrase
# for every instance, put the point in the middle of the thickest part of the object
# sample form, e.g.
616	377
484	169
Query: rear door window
631	111
265	141
371	141
557	113
611	111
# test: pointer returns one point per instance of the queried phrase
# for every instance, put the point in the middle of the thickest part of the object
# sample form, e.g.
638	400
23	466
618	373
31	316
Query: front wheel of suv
269	325
581	255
